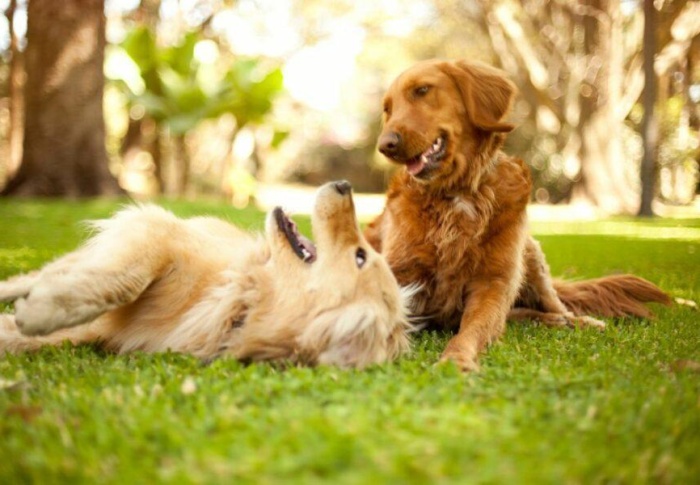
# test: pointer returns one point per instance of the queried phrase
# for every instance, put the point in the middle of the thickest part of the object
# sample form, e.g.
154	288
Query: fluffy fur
149	281
455	218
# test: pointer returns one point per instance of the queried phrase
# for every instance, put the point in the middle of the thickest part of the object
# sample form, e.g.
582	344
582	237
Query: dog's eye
360	257
421	91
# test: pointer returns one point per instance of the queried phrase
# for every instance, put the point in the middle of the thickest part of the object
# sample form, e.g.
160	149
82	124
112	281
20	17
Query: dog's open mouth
429	158
302	246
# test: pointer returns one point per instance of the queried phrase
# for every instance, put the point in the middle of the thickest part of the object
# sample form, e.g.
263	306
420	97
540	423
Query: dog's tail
611	296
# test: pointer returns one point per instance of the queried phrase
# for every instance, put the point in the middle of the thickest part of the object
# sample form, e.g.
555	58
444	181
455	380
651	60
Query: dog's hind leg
568	319
59	300
538	287
538	299
111	270
13	341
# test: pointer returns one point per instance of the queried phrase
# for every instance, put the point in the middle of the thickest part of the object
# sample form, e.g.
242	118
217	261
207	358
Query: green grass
549	406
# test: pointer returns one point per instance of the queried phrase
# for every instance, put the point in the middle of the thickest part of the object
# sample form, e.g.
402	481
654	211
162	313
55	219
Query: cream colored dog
152	282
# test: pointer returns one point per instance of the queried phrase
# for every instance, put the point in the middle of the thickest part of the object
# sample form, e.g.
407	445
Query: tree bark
649	126
603	181
155	148
181	165
64	137
15	96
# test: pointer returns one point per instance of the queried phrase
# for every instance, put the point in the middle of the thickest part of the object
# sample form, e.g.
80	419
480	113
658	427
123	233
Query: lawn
548	406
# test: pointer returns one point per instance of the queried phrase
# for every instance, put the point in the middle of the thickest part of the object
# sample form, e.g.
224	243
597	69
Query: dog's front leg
482	323
489	296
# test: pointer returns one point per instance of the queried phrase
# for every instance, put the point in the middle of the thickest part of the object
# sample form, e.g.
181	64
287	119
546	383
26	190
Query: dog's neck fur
472	165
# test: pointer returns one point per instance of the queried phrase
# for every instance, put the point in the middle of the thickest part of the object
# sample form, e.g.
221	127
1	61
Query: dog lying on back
455	219
152	282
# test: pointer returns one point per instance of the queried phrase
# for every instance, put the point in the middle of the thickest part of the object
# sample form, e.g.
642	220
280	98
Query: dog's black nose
343	187
389	143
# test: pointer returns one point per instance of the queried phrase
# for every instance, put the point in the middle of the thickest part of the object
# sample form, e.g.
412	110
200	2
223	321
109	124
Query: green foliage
175	89
245	92
549	406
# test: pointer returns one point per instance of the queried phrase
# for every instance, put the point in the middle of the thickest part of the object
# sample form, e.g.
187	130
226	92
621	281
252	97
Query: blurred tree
677	105
579	67
64	137
571	75
142	132
649	127
175	91
15	81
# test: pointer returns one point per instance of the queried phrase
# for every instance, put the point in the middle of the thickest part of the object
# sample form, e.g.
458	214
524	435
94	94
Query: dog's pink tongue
415	166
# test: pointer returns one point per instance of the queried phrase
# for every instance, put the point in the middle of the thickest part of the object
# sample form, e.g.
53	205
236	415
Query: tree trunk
603	181
64	138
181	166
649	127
155	148
15	82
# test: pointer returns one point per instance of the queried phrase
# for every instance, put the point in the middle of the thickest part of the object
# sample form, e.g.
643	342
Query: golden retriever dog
152	282
455	219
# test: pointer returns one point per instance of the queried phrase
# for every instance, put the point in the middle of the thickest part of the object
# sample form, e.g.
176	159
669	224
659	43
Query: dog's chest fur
438	245
443	242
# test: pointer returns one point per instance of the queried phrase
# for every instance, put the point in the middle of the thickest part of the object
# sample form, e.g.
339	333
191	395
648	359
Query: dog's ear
486	93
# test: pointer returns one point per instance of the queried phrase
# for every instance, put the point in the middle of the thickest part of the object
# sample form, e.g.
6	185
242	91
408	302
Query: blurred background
235	98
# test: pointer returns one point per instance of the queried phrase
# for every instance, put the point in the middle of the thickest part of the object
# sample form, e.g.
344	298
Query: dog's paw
463	356
46	309
582	321
465	365
558	320
35	316
685	302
